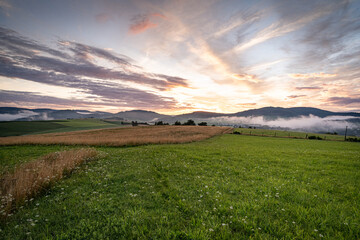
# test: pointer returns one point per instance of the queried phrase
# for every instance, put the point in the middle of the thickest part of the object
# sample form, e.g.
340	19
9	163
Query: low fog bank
304	123
29	115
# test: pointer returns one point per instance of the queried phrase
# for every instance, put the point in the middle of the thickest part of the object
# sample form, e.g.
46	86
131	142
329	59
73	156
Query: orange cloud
245	77
141	23
311	75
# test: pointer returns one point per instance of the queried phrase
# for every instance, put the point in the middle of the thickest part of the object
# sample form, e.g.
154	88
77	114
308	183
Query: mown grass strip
286	134
31	178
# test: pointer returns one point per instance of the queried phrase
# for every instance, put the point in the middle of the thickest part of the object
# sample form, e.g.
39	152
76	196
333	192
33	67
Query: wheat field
130	136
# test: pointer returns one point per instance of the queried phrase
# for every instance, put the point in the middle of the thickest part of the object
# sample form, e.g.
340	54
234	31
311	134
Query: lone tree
159	123
190	122
134	123
202	124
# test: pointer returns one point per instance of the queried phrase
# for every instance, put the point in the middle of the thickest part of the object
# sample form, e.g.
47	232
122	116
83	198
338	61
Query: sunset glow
180	56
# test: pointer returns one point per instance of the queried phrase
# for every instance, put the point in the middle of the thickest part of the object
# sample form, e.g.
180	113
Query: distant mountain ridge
268	113
278	112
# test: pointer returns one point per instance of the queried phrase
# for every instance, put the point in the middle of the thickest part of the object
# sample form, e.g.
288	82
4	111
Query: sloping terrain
121	136
227	187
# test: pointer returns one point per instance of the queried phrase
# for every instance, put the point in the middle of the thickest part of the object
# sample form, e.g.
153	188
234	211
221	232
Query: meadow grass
130	136
17	128
286	134
226	187
14	128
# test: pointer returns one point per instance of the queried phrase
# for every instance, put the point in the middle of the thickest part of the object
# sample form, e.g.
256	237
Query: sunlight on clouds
265	65
203	55
16	84
312	75
245	77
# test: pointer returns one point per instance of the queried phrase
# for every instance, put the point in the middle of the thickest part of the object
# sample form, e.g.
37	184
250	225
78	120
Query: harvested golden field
122	136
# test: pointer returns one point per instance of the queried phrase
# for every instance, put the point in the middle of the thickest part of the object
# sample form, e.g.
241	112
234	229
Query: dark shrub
190	122
177	123
203	124
236	132
315	137
159	123
353	139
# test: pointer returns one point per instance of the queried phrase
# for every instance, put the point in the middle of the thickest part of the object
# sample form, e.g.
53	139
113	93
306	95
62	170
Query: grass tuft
31	178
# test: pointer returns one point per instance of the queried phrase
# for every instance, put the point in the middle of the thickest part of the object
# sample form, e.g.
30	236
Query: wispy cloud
312	75
237	21
296	96
279	29
344	100
308	88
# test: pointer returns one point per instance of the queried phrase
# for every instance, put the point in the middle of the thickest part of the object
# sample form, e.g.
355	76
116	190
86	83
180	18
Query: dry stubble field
122	136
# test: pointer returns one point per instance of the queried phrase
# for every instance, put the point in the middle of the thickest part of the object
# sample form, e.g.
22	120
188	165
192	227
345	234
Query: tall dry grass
31	178
122	136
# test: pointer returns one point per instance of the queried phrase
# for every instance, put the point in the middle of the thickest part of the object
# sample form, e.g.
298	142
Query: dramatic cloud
83	52
26	59
108	97
13	43
200	55
344	100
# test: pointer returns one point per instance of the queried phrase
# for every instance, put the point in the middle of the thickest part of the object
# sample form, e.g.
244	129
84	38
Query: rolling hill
269	113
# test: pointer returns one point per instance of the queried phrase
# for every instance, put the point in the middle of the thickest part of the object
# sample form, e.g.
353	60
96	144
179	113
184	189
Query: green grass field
17	128
288	134
227	187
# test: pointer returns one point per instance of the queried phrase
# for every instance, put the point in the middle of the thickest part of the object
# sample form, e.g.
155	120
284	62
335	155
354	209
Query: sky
180	56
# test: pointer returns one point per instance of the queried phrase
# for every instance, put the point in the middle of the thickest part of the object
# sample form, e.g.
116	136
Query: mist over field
21	114
304	123
25	115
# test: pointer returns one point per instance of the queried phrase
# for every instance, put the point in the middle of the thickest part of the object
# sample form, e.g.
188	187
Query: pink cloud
141	23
